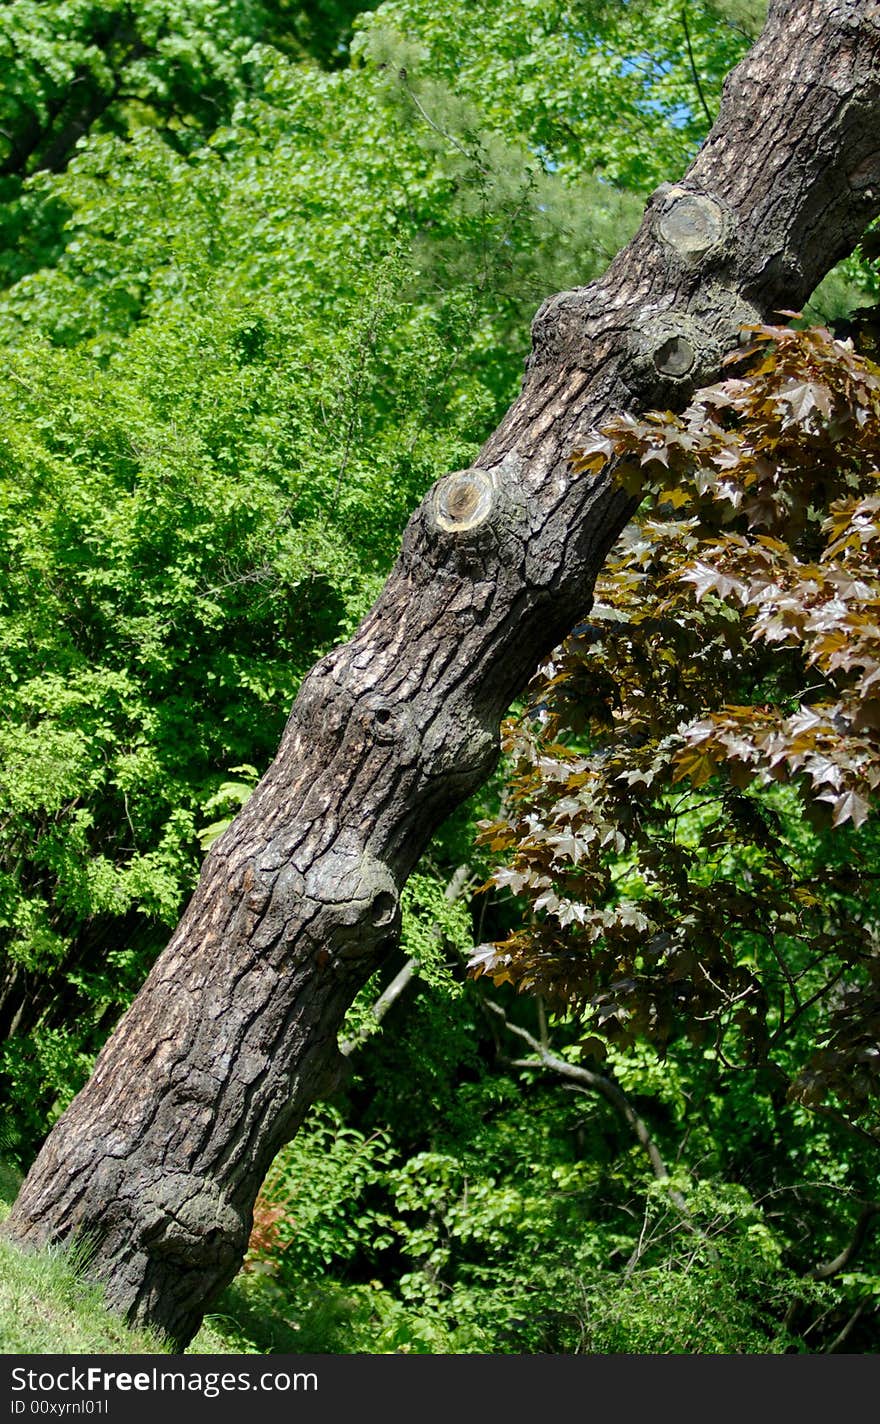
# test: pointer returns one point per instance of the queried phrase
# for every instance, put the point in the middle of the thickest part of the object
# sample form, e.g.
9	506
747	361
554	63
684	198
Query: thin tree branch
611	1092
845	1123
825	1270
404	977
839	1339
386	999
450	138
808	1003
687	35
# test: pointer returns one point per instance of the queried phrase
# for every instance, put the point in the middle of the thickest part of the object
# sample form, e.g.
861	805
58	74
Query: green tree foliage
265	334
599	87
74	69
504	1214
204	479
268	271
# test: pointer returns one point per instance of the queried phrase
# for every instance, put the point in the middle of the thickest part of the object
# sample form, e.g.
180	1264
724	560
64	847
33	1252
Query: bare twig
639	1248
450	138
687	35
389	996
808	1003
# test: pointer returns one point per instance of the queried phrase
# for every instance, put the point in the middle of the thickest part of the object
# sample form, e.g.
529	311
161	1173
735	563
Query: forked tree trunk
233	1036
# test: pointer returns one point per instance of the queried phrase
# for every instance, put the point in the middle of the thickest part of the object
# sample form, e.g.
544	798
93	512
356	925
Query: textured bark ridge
159	1158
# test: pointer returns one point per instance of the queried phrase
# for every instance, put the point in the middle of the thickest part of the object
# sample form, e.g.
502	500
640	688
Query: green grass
48	1308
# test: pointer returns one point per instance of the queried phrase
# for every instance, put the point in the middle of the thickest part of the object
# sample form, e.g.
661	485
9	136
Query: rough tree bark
213	1068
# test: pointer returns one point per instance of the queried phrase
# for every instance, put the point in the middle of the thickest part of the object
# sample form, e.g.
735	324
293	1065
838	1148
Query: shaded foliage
513	1216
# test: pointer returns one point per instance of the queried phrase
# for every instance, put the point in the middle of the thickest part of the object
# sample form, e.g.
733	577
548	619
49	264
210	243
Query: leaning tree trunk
159	1158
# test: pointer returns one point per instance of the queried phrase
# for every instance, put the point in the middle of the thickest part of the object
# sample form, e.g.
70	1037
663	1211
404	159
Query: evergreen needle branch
450	138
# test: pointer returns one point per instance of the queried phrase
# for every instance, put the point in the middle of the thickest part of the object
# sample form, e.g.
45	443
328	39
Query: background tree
74	69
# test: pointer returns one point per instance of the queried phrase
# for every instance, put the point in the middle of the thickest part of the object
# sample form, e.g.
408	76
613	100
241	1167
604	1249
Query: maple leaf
850	807
692	682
